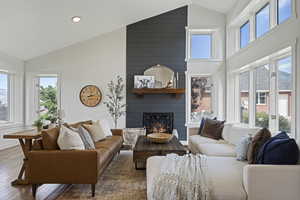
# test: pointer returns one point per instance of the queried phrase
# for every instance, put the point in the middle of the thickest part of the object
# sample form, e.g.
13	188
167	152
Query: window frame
258	102
240	36
255	19
9	98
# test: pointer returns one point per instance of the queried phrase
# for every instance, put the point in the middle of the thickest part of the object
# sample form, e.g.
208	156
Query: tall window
262	21
285	85
262	85
201	98
201	46
284	10
245	34
48	97
244	97
4	97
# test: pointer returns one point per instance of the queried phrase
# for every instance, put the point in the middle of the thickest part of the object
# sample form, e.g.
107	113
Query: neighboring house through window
4	98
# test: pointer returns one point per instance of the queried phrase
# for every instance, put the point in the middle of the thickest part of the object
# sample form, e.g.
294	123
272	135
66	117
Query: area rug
120	181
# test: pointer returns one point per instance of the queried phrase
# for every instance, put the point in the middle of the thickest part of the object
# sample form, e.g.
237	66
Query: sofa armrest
63	166
117	132
274	182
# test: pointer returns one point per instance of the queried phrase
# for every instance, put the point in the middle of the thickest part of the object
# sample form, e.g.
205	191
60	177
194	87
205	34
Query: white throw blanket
182	178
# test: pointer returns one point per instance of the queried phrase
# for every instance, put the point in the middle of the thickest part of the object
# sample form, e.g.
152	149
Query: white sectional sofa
235	180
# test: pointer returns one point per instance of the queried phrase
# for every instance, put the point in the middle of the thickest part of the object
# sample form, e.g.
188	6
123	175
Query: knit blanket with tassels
182	178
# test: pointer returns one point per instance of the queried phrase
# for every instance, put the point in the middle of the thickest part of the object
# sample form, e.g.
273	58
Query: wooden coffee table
145	149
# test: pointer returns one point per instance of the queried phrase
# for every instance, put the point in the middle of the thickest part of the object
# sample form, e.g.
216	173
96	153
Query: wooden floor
10	162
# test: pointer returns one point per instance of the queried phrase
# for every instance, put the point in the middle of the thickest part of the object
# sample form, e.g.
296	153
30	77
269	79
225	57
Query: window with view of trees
48	98
244	97
4	97
262	86
262	21
201	98
284	10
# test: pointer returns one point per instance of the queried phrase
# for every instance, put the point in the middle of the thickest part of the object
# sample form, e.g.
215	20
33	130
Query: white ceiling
29	28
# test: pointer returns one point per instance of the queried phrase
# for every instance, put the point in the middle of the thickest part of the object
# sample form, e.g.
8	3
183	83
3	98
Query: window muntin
244	97
262	21
245	34
284	94
4	97
262	86
201	46
201	98
48	104
284	10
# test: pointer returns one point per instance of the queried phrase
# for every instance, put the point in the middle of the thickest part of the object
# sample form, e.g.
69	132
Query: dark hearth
158	122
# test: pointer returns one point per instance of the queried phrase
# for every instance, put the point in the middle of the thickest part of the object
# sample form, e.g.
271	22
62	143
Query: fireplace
158	122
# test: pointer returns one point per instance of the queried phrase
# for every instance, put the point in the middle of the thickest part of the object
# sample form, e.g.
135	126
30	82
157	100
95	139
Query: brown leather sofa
51	165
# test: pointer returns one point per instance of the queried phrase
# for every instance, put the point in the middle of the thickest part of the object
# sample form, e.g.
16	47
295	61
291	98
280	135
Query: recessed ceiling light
76	19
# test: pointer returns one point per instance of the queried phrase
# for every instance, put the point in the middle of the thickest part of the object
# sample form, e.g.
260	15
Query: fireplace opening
158	122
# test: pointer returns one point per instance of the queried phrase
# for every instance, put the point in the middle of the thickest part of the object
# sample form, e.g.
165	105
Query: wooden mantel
172	91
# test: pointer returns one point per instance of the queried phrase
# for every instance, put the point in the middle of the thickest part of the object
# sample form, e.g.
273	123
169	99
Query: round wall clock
90	96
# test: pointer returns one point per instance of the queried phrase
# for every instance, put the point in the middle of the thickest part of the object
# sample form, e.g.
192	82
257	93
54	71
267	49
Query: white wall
284	35
15	68
96	61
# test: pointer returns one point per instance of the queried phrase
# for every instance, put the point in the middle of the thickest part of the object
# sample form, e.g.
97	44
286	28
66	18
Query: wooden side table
25	140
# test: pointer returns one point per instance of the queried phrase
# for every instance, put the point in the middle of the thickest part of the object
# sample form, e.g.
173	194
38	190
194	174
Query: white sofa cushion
220	149
225	177
196	140
234	134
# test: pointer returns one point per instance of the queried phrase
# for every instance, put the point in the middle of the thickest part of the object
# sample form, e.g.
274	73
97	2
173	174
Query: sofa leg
93	187
34	188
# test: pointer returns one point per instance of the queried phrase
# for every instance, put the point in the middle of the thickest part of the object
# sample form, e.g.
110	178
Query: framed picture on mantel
144	81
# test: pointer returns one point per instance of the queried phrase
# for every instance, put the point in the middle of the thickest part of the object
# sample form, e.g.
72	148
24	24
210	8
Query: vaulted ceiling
29	28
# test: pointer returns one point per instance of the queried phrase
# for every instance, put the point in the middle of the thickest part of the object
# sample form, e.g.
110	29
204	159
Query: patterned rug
120	181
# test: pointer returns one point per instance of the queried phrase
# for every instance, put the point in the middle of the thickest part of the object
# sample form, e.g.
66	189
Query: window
201	46
244	97
262	85
262	21
245	34
48	97
284	10
4	97
284	95
201	98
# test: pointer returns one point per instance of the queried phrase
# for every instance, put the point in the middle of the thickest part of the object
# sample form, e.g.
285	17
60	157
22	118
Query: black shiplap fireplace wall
157	40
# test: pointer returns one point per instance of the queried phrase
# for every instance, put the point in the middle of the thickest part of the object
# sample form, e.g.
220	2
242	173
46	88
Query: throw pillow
69	140
105	127
213	129
258	141
279	150
202	124
95	130
49	139
242	148
85	137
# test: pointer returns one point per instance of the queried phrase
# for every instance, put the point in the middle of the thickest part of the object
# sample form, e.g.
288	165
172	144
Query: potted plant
38	124
115	98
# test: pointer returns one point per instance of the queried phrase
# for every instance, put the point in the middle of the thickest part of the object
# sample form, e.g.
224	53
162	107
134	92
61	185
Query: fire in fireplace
158	122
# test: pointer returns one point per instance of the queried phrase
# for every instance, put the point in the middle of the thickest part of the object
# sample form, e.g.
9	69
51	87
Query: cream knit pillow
96	131
68	139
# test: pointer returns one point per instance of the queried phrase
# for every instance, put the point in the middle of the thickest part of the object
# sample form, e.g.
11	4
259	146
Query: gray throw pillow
85	137
242	148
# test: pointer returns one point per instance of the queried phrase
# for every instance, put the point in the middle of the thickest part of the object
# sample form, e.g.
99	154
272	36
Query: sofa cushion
103	156
220	149
49	138
95	130
112	143
258	141
213	129
69	140
279	150
226	182
196	140
85	137
233	134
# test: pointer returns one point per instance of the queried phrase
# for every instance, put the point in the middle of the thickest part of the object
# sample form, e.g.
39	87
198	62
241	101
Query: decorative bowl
160	137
